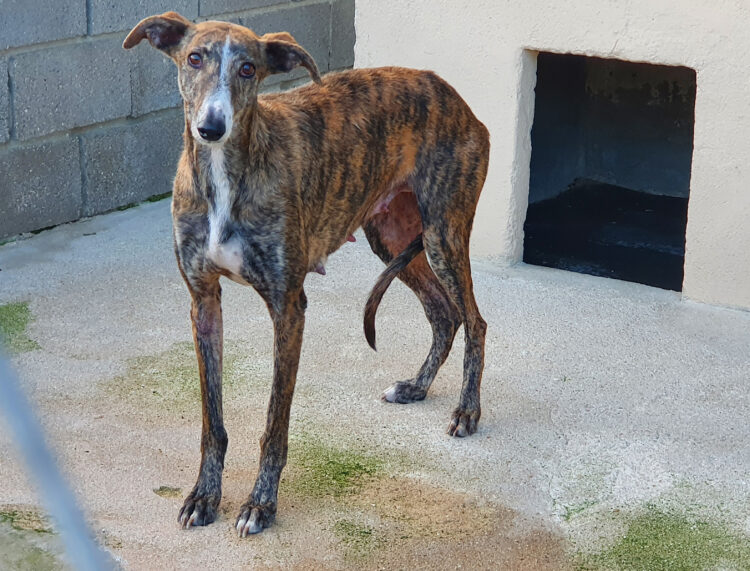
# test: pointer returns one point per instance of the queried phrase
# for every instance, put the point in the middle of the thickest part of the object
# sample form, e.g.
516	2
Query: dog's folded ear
283	54
165	32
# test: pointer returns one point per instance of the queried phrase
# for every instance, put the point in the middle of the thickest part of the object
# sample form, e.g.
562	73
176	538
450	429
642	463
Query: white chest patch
226	255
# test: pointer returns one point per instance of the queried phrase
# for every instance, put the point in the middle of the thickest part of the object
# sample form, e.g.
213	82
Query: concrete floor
602	401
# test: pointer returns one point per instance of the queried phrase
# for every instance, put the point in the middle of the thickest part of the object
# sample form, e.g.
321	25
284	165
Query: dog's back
364	135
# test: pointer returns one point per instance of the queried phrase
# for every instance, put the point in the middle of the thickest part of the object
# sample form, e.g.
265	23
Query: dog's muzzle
213	127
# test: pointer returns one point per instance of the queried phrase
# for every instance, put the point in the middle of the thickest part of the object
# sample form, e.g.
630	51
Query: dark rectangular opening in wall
612	146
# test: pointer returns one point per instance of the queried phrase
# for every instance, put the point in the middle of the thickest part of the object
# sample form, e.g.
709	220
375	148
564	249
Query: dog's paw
463	422
198	509
254	518
404	393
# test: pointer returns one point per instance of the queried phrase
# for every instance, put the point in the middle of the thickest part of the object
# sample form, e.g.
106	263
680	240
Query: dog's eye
247	70
195	60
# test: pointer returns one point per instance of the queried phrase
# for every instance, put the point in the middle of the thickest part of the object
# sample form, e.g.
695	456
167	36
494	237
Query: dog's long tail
391	271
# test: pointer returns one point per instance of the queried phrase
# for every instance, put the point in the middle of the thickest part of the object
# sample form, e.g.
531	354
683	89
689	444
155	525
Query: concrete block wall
86	127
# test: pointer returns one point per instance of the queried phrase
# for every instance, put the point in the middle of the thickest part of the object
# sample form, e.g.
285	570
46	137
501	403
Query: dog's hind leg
448	196
201	505
389	233
451	263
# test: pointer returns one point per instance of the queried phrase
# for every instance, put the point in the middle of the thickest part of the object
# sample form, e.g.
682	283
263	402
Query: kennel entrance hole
612	146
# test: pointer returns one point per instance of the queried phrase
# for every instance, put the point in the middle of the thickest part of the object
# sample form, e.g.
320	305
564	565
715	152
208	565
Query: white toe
390	394
252	526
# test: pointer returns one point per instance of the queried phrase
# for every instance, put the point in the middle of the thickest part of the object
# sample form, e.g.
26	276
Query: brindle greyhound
267	187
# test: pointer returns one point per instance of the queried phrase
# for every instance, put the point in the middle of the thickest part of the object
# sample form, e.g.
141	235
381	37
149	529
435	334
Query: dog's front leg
201	505
259	510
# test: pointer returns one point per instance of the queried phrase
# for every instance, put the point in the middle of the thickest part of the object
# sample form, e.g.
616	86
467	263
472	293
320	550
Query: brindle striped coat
268	186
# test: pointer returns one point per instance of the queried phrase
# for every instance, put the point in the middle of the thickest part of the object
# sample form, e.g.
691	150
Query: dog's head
220	67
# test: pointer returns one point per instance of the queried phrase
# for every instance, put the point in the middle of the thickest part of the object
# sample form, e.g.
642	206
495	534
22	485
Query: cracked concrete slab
601	400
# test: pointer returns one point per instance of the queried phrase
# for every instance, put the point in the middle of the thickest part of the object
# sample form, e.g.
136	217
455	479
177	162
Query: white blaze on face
219	103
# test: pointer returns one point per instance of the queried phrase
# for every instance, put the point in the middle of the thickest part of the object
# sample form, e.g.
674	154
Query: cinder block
216	7
59	88
342	34
130	162
25	22
110	16
308	23
41	186
154	81
4	102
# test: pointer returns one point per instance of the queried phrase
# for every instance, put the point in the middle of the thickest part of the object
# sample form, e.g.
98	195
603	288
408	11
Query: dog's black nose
212	131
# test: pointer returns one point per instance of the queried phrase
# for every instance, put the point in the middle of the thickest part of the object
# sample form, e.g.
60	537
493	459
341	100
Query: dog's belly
228	256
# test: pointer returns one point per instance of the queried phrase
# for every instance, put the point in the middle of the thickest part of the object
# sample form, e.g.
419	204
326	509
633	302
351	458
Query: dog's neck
222	197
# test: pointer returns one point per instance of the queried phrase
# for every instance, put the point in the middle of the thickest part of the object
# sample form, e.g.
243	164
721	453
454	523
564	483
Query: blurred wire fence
82	551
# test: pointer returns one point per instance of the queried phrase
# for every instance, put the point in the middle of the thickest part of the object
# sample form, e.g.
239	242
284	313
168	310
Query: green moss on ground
155	198
14	319
358	539
18	554
168	492
25	520
158	197
661	541
321	470
172	375
572	511
27	541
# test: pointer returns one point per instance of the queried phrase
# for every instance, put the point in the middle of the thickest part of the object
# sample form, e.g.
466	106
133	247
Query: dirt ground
613	436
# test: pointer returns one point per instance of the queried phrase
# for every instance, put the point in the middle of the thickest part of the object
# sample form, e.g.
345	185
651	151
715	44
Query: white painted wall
487	50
